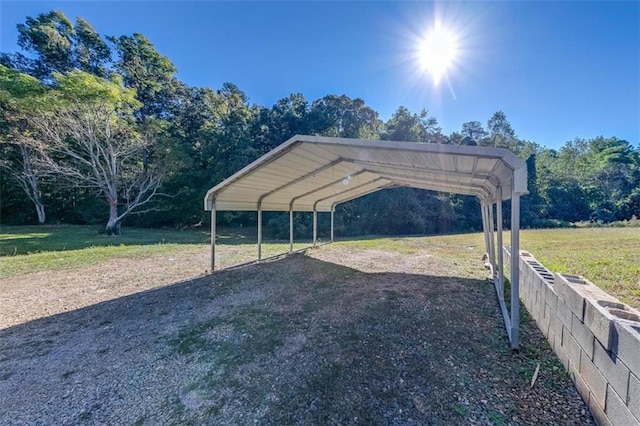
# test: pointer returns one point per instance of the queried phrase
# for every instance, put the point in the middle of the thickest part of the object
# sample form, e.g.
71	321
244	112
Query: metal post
485	228
515	261
290	231
332	211
259	233
500	248
213	239
315	226
492	243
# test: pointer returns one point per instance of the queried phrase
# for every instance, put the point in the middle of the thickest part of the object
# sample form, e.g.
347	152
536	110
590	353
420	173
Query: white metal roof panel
314	172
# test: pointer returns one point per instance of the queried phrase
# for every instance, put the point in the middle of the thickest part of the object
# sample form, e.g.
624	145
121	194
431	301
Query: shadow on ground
294	341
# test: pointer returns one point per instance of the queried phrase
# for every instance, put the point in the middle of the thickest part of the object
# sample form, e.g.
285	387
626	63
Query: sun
438	52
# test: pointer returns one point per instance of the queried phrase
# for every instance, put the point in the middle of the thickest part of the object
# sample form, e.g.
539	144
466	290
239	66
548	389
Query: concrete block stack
595	336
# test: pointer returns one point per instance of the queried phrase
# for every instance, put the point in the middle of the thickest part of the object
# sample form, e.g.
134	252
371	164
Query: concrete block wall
594	335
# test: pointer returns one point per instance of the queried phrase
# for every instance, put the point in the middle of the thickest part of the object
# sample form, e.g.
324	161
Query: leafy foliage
195	137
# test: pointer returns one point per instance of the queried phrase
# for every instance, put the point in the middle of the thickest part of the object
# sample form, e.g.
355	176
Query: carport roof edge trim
518	167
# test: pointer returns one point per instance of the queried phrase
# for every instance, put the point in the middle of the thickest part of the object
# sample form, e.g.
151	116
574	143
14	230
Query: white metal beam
515	272
332	212
213	238
500	248
315	227
290	231
259	233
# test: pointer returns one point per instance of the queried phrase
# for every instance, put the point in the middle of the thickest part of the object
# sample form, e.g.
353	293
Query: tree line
99	130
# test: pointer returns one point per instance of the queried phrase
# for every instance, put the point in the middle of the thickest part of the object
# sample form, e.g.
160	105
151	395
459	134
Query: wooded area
98	129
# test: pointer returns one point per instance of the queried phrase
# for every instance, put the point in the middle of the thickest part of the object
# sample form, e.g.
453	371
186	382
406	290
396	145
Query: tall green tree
54	44
150	73
342	116
89	137
406	126
473	133
501	134
19	95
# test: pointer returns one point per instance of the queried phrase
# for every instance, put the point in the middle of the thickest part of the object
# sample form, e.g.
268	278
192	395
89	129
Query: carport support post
500	252
213	239
332	211
290	231
492	242
515	273
485	227
259	233
315	226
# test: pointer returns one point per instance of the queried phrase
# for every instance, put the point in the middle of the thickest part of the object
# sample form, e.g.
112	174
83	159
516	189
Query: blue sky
559	70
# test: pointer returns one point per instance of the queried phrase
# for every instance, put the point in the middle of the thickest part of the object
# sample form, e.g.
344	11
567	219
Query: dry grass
355	332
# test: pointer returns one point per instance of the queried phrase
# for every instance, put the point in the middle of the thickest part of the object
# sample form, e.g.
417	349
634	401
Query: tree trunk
113	227
40	210
31	183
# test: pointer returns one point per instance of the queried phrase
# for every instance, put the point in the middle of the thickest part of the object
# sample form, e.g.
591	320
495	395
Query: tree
473	133
501	133
91	52
50	37
17	92
341	116
148	72
406	126
90	138
56	45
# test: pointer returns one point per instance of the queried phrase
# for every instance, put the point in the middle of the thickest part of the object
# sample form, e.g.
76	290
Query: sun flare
438	52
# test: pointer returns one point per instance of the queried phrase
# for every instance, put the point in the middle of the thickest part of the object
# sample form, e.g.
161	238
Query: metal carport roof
314	173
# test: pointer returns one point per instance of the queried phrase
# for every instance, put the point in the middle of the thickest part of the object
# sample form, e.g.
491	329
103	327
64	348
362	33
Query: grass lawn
373	331
609	257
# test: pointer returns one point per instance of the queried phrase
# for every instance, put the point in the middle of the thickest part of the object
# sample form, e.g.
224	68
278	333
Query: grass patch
18	240
255	332
75	259
608	257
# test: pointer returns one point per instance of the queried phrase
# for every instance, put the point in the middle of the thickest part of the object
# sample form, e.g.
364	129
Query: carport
315	174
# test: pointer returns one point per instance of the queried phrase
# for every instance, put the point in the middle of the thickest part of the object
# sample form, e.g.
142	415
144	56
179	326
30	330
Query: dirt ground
339	335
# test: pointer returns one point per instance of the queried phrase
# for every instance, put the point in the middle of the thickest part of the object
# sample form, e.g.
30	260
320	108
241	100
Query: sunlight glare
438	52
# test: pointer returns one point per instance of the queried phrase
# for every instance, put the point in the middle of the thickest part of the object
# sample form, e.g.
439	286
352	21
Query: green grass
25	249
67	259
609	257
16	240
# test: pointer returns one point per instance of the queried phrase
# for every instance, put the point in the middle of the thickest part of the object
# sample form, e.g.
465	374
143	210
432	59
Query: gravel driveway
324	338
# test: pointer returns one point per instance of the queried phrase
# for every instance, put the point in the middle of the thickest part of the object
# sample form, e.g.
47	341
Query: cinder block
571	294
598	413
614	371
564	313
540	303
599	320
555	324
561	353
541	286
559	283
544	324
536	311
594	379
571	346
583	336
626	344
581	386
617	411
550	296
528	304
633	402
551	338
